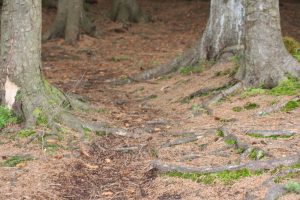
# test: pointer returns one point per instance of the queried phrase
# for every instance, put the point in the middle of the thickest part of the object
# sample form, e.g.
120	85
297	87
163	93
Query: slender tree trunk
224	33
70	19
126	11
266	61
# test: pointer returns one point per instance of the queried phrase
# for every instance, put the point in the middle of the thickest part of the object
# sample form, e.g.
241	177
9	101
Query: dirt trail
120	167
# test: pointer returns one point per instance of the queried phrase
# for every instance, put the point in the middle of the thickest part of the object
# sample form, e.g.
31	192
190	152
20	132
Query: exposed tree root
270	133
276	107
243	147
223	94
205	91
180	141
274	190
253	166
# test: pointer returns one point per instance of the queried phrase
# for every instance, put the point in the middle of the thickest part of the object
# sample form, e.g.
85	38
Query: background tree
266	60
69	21
224	33
127	11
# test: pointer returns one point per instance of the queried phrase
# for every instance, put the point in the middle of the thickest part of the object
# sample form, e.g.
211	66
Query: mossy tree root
274	190
164	167
221	95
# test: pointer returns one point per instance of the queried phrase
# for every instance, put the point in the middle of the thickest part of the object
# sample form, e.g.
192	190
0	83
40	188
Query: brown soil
151	111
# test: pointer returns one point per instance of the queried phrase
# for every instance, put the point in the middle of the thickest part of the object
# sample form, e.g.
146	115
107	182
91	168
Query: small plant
220	133
251	106
237	109
291	105
25	133
15	160
6	117
292	186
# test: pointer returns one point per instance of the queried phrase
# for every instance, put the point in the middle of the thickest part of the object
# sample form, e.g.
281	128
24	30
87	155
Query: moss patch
219	133
25	133
226	177
256	154
14	161
230	141
291	105
251	106
237	109
292	186
41	119
293	47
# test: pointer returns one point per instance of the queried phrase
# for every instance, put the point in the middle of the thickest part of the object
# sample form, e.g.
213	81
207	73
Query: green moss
219	133
15	160
253	92
41	119
251	106
289	86
103	133
230	141
274	137
187	70
293	47
226	177
256	154
292	186
6	117
291	105
119	58
237	109
52	148
25	133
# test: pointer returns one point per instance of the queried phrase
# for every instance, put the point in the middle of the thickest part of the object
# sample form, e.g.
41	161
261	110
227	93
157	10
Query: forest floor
162	126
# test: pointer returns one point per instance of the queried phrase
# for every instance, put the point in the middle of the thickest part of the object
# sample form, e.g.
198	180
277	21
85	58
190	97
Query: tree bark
266	61
225	29
126	11
70	18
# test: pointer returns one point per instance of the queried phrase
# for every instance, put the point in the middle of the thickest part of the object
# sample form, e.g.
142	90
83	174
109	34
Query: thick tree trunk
70	18
21	79
126	11
224	33
266	61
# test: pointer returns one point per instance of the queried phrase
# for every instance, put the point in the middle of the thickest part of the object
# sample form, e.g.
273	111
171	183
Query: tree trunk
266	61
69	19
224	30
126	11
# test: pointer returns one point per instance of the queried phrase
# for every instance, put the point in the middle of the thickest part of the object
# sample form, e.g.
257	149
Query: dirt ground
119	168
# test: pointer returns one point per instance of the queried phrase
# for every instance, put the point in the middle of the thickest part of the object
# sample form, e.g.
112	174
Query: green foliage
292	186
237	109
293	47
6	117
25	133
251	106
15	160
291	105
226	177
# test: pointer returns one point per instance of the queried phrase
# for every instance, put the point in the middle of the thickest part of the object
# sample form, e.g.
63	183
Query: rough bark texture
21	79
127	11
70	18
225	29
266	61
